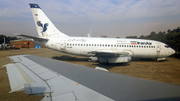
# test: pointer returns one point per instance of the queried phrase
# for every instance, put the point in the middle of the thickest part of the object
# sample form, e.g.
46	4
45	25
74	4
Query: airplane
4	45
89	34
104	50
7	46
62	81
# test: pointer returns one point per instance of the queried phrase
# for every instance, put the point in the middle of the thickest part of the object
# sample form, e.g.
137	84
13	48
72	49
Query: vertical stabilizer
45	27
89	34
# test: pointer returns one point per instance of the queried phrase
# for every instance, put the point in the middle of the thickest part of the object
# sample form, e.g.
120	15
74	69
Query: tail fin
45	27
89	34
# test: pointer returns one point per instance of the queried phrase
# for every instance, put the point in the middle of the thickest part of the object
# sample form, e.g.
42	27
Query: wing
110	56
108	53
57	80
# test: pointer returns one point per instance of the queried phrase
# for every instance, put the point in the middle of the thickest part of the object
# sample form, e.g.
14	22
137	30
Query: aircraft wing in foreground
62	81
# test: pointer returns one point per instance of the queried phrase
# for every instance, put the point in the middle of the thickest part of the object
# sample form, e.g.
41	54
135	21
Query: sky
111	18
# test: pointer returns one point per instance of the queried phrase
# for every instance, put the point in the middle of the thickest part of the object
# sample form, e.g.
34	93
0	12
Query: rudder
44	26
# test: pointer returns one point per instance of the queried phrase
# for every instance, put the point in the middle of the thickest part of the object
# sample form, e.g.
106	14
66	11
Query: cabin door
158	47
63	45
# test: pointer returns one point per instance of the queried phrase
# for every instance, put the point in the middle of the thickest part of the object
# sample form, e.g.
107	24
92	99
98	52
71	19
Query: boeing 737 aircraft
3	45
62	81
105	50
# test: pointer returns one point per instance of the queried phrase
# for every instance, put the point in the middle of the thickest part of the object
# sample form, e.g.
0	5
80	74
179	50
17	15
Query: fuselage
106	50
137	48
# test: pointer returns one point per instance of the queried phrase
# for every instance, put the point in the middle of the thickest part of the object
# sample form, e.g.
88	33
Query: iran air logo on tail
43	26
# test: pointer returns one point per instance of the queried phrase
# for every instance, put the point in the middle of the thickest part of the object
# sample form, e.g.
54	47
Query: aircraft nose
172	51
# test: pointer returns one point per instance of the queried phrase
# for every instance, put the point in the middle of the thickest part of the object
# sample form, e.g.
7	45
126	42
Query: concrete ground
166	71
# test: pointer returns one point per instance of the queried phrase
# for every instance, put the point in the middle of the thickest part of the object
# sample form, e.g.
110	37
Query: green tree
131	37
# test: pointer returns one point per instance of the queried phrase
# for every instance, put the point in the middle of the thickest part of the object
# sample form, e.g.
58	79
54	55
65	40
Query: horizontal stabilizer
33	37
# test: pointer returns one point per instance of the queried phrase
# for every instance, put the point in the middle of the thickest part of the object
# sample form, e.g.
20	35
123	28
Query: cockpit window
166	46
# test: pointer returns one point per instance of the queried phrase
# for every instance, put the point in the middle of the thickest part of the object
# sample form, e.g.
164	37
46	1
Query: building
24	43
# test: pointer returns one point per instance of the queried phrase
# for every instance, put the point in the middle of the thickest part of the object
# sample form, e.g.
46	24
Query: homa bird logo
140	43
41	25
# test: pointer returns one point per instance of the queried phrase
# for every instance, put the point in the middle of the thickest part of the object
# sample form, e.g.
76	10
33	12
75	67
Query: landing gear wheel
156	60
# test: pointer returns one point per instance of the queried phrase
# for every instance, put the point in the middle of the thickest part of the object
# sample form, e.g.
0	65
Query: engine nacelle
94	59
123	59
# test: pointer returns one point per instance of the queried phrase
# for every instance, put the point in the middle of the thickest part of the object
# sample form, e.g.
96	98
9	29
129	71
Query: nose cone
172	51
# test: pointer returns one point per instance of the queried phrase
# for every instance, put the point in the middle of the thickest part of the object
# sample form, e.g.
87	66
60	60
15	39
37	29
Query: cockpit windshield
166	46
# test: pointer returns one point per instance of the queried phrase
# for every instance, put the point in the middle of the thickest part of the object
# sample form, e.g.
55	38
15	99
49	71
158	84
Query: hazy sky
113	18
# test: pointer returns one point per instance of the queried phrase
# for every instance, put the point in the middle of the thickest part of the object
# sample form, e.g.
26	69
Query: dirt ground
166	71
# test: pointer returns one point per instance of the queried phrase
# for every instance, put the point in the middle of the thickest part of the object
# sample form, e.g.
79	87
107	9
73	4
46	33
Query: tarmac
166	71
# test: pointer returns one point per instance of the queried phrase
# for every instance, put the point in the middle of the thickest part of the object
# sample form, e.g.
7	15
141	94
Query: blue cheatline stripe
34	5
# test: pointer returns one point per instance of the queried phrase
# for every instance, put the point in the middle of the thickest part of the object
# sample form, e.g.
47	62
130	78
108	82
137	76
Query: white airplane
105	50
4	45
